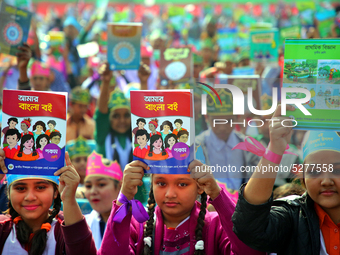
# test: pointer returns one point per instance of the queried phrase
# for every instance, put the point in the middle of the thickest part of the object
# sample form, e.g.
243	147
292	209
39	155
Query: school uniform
97	226
218	237
61	239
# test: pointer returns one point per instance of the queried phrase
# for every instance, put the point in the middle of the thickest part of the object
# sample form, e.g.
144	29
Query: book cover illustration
34	131
314	65
123	46
264	45
175	64
163	129
14	27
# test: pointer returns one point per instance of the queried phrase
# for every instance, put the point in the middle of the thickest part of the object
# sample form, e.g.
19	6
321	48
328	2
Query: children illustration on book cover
31	142
165	143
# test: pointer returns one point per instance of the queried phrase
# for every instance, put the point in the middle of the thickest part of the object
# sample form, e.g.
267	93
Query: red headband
154	123
26	122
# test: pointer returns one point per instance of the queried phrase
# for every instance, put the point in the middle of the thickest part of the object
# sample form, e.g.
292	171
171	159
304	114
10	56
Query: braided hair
148	232
23	231
200	222
149	224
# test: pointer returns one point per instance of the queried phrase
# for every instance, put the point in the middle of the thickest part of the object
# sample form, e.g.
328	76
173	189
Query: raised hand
280	135
133	175
68	181
204	178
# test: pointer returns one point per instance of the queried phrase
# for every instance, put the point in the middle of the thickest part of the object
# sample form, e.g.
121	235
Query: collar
146	147
324	219
219	144
160	227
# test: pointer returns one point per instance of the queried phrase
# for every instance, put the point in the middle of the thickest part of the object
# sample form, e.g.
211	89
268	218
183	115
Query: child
27	150
167	128
12	122
182	226
55	137
12	137
183	136
304	225
142	140
178	123
25	125
153	124
79	150
78	122
140	126
39	126
156	151
30	227
170	141
102	185
51	124
41	142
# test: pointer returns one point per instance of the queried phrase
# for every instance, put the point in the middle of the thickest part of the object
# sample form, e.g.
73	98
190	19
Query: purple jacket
218	235
73	239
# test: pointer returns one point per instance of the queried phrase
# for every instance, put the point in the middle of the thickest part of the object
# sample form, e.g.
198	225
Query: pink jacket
218	235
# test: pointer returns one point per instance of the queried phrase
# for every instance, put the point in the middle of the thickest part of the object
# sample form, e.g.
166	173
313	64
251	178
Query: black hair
167	145
179	121
24	139
23	231
142	132
52	122
13	132
152	140
182	132
148	232
167	123
41	124
12	119
41	137
140	120
55	134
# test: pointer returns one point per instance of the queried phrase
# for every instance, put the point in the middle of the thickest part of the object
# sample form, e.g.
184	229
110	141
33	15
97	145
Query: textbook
14	27
163	129
176	65
264	45
123	45
34	131
314	65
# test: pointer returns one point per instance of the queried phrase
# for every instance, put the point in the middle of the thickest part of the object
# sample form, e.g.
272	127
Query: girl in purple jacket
182	225
31	227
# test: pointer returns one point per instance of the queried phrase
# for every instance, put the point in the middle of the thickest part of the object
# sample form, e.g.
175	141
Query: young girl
166	128
170	141
156	151
182	225
102	185
40	128
307	224
27	150
41	142
31	227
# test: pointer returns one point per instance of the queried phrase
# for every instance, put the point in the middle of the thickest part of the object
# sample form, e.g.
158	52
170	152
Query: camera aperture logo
238	103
